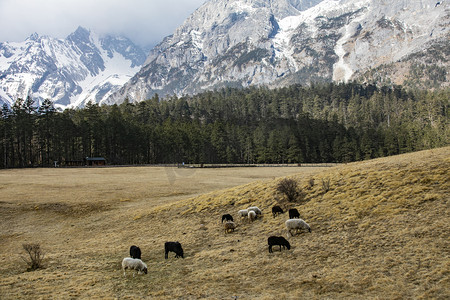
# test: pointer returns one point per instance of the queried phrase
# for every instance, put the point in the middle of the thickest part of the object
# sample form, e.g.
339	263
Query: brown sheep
229	227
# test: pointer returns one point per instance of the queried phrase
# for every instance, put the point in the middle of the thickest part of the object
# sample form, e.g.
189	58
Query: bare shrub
311	182
289	187
326	184
35	256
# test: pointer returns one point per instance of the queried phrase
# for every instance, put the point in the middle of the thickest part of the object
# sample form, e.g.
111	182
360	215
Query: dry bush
35	256
289	187
311	183
326	185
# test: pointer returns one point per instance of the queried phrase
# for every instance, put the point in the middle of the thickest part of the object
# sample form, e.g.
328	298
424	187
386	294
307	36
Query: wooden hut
95	161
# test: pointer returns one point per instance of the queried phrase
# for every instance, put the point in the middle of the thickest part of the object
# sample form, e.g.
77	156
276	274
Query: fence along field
381	230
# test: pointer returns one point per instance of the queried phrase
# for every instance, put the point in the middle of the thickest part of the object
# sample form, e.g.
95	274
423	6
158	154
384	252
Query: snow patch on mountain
342	71
97	89
5	99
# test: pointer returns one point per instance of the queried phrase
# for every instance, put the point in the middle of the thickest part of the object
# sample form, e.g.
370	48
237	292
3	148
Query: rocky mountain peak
34	37
83	67
277	42
80	34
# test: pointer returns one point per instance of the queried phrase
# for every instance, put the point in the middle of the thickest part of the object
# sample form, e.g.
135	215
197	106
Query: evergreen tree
46	131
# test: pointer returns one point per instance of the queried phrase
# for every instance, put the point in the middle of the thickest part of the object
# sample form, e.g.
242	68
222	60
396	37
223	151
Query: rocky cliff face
72	71
278	42
240	43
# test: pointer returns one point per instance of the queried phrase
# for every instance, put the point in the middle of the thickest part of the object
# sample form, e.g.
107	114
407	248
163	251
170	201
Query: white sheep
243	213
134	264
296	224
255	209
251	216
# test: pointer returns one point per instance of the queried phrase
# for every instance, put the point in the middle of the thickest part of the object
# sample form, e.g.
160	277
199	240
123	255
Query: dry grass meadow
381	231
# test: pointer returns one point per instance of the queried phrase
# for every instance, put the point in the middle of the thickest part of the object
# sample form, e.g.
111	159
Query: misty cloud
145	22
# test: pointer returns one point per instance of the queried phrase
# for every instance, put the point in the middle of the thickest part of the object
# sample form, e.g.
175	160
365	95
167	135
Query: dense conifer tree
296	124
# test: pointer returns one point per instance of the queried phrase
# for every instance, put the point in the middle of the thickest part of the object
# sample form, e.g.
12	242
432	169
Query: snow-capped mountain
277	42
239	43
71	72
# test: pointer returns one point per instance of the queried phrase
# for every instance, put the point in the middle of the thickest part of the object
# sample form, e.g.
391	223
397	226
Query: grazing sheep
243	213
255	209
229	226
174	247
293	213
134	264
251	216
278	240
227	217
297	224
135	252
276	210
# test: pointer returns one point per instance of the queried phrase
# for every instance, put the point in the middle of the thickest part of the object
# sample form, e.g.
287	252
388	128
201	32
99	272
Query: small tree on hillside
35	256
289	187
326	185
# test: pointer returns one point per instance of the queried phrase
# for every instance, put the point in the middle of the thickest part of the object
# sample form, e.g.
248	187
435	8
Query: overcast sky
145	22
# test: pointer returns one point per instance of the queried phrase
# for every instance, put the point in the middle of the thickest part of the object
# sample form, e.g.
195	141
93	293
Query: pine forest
321	123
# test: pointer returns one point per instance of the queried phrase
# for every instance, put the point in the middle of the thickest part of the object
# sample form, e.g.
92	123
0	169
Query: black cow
293	213
174	247
135	252
277	210
278	240
227	217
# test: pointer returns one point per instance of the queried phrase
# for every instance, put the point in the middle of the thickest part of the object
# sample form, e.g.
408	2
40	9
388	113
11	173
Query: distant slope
380	231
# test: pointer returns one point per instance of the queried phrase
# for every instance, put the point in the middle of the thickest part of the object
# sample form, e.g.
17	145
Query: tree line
295	124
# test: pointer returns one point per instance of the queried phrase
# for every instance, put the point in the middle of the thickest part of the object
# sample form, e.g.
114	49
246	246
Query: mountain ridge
71	72
243	43
239	43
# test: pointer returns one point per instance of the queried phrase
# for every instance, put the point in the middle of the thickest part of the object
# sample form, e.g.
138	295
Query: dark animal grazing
135	252
278	240
277	210
174	247
229	226
293	213
227	217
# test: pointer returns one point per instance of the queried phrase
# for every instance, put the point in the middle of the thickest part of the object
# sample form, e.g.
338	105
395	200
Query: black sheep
277	210
278	240
174	247
227	217
135	252
293	213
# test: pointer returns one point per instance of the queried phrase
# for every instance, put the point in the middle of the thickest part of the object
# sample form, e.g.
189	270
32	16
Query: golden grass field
380	232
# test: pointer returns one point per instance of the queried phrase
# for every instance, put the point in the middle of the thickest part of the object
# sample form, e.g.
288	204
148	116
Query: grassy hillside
380	231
